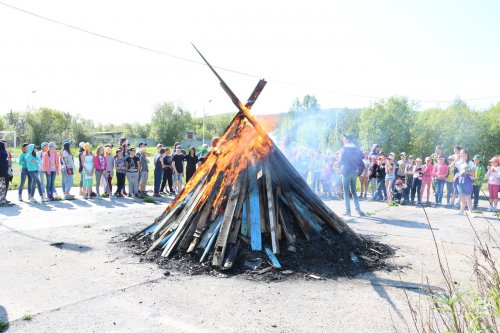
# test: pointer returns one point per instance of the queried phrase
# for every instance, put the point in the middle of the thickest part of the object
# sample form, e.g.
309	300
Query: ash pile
246	209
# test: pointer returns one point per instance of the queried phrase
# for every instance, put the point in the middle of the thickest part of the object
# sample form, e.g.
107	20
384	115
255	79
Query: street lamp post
204	109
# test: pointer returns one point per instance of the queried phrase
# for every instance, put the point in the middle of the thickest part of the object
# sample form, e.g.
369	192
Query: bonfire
245	198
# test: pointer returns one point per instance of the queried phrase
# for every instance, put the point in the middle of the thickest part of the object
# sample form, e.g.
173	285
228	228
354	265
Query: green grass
27	316
87	226
3	325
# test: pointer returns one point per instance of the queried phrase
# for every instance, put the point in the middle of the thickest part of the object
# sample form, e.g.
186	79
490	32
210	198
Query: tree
169	123
489	138
388	124
46	124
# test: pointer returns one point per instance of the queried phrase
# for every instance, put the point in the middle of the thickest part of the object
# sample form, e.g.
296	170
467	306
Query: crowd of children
409	180
96	168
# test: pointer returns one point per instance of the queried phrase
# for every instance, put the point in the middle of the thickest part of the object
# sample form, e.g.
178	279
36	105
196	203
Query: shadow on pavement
71	247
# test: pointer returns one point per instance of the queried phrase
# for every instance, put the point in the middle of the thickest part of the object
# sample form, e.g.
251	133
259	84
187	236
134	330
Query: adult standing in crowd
464	180
479	175
191	162
410	166
178	164
67	169
25	175
168	171
351	163
4	169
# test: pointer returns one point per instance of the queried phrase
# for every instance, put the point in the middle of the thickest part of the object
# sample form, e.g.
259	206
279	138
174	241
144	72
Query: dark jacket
351	159
4	161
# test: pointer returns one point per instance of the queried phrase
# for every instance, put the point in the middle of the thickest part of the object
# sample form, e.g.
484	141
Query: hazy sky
340	51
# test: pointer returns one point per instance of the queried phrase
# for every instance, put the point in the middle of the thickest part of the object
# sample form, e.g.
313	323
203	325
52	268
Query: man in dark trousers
351	162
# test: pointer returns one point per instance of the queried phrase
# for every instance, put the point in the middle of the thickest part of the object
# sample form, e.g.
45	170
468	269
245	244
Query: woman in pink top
493	176
100	164
50	164
427	177
440	172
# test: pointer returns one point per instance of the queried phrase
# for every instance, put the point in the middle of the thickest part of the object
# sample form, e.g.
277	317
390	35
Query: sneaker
32	200
459	213
157	195
163	193
361	213
111	196
346	214
21	198
490	209
98	196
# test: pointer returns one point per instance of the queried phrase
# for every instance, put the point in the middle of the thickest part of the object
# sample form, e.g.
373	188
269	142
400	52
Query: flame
244	142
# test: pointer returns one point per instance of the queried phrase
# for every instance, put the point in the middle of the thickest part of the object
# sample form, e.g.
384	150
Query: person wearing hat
139	148
203	156
44	147
133	168
87	163
24	171
493	176
479	179
51	167
351	163
67	169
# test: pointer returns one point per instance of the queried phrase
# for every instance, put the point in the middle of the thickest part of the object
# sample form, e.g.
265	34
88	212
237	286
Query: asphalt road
91	284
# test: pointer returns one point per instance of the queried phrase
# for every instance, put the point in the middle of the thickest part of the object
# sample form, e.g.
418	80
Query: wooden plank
235	230
254	209
271	210
306	214
183	219
303	225
231	256
277	212
211	242
202	219
274	261
244	219
287	230
208	233
220	245
263	205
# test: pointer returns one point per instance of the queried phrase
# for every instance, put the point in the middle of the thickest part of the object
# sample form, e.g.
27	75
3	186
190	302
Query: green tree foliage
489	143
46	124
388	124
16	121
169	123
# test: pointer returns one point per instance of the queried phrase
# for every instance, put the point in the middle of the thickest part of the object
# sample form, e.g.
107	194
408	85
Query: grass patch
27	316
148	199
3	325
369	213
476	211
393	203
87	226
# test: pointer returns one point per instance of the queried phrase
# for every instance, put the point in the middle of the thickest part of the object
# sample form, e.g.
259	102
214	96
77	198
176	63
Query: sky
346	53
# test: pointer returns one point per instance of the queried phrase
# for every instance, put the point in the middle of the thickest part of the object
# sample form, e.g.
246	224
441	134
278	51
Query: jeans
35	181
43	175
475	195
350	182
449	191
98	177
51	184
67	181
120	182
158	177
25	175
407	190
381	191
64	176
415	188
133	182
439	184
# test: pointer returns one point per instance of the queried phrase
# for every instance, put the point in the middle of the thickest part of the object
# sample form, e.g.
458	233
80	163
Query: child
178	164
120	173
100	166
372	175
399	191
450	189
87	163
439	173
50	165
24	172
493	176
80	166
427	170
43	174
133	168
381	191
159	167
67	170
110	165
203	157
479	178
143	178
363	177
390	176
33	165
417	182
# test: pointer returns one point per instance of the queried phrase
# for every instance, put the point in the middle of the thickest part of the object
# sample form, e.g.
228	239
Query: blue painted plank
207	234
306	214
244	224
273	258
253	196
164	241
150	229
211	241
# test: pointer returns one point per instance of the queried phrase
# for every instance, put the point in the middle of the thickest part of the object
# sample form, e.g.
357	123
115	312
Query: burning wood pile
246	197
